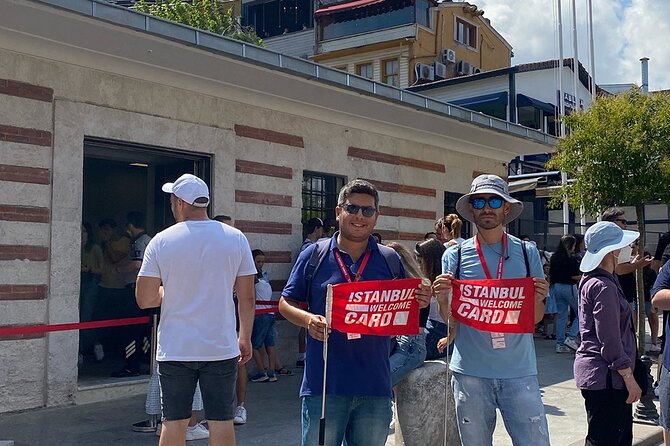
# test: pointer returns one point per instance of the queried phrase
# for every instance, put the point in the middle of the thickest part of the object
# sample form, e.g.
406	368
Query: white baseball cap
601	239
189	188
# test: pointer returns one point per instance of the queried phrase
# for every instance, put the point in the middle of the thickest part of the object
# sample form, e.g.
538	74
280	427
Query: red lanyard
343	267
483	260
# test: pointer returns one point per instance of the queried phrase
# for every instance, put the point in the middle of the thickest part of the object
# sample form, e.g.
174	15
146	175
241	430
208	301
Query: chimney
645	74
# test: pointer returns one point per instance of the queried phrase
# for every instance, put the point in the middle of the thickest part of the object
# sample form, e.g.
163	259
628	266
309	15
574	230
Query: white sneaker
571	343
562	349
240	415
98	352
197	432
158	429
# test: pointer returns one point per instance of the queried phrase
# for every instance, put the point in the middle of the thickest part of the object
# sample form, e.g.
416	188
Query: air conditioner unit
463	68
474	69
440	70
448	56
425	72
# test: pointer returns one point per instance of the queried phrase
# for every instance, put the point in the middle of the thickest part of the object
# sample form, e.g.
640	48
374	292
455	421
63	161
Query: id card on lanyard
357	277
497	339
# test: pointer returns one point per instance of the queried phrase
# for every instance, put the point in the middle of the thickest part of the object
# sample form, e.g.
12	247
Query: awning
523	184
345	7
494	97
525	101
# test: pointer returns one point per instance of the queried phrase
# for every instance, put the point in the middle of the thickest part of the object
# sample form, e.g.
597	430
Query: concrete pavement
274	415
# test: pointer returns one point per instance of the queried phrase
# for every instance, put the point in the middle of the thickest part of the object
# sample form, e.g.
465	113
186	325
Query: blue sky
624	31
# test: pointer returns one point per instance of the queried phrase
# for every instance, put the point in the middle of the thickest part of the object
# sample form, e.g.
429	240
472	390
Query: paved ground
274	414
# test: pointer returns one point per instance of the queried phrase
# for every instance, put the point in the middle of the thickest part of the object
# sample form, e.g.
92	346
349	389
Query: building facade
93	121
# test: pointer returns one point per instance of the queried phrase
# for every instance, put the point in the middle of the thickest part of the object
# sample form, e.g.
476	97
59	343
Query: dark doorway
120	178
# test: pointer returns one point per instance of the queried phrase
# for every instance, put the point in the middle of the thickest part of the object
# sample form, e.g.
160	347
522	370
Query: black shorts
217	385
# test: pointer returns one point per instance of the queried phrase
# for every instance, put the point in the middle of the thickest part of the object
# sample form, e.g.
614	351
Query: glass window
319	195
353	22
466	33
365	70
275	17
390	70
530	117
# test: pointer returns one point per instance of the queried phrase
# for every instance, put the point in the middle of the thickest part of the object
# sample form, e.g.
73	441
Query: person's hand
317	327
423	293
541	288
245	350
634	391
449	338
442	344
442	288
641	262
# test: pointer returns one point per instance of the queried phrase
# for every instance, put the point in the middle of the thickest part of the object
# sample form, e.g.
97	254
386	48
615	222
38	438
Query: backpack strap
318	254
457	273
392	260
525	258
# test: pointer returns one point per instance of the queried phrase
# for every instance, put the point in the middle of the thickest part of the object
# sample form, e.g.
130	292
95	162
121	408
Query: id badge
498	340
352	336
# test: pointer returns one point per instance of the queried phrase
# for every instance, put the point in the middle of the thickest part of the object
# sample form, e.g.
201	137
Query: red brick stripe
269	136
394	159
23	135
23	90
267	170
399	235
277	256
246	196
23	292
385	186
30	214
21	174
263	227
24	252
18	337
410	213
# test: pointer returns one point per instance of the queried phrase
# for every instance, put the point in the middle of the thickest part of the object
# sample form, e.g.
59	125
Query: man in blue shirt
660	298
493	370
358	385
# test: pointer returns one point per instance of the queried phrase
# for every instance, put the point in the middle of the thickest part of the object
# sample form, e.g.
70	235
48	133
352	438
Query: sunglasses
622	220
368	211
493	202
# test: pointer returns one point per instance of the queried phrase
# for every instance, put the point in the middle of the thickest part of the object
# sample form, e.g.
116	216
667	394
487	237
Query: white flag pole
322	421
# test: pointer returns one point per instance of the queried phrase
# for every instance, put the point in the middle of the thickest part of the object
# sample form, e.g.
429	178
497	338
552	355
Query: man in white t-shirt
198	261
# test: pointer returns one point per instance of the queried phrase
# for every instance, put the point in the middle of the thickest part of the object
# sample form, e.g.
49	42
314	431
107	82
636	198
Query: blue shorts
264	331
664	398
217	379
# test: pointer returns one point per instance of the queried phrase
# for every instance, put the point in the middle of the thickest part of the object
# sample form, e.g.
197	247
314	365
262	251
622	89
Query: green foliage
618	152
210	15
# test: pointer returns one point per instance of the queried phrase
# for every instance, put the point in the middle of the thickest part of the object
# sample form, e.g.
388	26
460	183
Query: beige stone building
99	105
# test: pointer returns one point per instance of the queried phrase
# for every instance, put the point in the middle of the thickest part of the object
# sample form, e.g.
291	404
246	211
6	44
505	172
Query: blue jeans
408	355
356	420
436	331
566	298
518	400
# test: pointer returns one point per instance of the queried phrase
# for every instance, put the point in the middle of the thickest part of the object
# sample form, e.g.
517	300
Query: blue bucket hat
601	239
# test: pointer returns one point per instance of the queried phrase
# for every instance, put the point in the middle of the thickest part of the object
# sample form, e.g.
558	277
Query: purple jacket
606	328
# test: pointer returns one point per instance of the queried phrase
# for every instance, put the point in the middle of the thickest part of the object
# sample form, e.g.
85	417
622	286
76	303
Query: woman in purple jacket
606	357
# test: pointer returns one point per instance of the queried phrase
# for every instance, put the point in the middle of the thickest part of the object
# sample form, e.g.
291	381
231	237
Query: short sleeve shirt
198	263
474	354
357	367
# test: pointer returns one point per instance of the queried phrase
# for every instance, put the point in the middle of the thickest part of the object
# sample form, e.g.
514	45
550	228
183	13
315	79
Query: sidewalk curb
651	435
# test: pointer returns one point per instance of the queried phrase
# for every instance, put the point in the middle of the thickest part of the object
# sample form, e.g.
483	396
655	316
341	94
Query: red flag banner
374	307
495	305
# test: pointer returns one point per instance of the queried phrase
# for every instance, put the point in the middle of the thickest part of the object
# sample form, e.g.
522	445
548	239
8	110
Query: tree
618	153
210	15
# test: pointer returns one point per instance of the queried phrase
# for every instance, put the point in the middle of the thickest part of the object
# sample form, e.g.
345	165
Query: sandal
284	371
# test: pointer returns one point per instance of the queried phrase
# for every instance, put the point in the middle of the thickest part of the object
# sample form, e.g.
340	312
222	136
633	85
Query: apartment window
364	70
319	195
466	33
390	70
341	68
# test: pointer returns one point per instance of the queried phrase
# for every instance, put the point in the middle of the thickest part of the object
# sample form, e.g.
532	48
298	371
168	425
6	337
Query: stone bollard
420	399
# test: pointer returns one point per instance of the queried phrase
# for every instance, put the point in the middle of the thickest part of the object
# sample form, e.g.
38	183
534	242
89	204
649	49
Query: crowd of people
217	313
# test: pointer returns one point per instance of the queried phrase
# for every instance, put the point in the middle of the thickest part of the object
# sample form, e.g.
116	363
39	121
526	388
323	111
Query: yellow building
403	42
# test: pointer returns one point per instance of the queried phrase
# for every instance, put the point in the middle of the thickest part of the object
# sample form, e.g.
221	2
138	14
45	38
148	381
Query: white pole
322	421
575	56
593	53
561	100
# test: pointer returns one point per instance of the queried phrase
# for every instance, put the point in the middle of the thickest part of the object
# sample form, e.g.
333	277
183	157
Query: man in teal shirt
493	370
